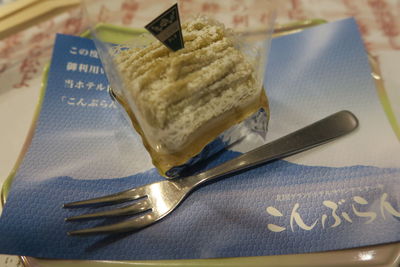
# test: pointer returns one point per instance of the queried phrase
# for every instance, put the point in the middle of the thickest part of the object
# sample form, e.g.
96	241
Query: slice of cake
181	101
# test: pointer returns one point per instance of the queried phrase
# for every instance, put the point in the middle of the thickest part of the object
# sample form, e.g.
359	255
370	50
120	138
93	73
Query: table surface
23	56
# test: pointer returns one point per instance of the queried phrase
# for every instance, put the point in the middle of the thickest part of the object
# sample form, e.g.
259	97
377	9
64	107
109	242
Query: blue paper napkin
338	196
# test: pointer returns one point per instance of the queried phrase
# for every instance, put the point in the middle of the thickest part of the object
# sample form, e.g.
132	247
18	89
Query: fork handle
320	132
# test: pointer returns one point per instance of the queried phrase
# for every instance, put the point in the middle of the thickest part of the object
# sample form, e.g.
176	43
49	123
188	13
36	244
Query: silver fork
155	201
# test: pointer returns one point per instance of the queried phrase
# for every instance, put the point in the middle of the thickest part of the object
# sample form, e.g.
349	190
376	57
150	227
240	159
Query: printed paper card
341	195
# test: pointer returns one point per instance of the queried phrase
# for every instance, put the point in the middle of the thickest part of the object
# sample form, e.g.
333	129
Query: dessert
181	101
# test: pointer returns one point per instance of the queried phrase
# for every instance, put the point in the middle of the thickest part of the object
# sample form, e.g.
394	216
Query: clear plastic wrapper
187	103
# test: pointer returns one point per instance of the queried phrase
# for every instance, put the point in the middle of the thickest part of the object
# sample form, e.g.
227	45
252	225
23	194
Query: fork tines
140	205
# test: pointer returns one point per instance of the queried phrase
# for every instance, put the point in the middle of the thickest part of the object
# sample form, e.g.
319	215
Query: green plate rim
238	261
